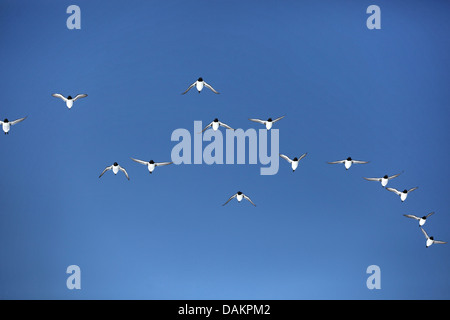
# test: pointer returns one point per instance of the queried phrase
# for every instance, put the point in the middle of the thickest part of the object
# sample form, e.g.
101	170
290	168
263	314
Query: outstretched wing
225	125
394	190
258	120
439	241
162	163
247	198
106	169
335	162
17	121
209	125
412	189
79	96
429	214
358	161
232	197
373	179
425	233
411	216
140	161
395	175
190	87
57	95
302	156
124	171
209	87
278	119
285	158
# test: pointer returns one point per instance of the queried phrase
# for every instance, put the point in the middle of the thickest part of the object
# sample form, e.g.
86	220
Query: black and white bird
69	100
151	165
430	240
268	123
348	162
115	168
403	194
293	162
421	220
239	196
385	179
199	84
6	124
215	125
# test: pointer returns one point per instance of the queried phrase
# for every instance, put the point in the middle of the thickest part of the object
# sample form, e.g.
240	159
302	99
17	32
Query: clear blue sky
377	95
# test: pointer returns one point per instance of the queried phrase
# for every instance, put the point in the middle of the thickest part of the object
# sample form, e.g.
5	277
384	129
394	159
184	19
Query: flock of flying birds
215	124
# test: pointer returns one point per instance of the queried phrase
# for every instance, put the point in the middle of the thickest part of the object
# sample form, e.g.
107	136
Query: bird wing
278	119
429	214
232	197
124	171
258	120
335	162
140	161
162	163
247	198
393	190
395	175
358	161
17	121
79	96
106	169
285	158
412	189
302	156
209	87
225	125
57	95
411	216
209	125
373	179
190	87
439	241
425	233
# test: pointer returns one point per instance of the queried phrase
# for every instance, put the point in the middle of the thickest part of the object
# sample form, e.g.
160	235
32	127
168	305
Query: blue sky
377	95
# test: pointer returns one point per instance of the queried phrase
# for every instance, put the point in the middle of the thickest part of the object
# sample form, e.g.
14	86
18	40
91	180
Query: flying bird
69	100
6	124
151	165
403	194
199	85
293	162
268	123
430	240
115	168
384	180
215	125
348	162
422	220
239	196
